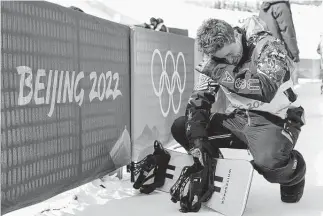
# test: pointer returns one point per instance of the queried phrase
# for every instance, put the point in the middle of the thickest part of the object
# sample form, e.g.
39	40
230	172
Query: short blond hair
213	34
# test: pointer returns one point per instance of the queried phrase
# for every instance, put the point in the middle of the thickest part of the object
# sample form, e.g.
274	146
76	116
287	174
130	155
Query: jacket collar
267	4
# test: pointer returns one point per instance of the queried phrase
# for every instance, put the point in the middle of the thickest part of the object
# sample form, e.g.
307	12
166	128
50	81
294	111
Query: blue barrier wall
65	100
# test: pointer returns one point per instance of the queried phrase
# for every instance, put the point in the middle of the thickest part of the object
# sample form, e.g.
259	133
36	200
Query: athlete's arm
198	108
272	70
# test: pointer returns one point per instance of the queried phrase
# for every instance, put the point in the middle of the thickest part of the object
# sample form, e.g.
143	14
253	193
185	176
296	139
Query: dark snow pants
270	140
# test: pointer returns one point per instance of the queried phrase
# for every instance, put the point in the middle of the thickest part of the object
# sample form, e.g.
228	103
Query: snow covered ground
111	196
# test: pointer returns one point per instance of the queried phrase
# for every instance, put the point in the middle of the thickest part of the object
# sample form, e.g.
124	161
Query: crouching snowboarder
253	73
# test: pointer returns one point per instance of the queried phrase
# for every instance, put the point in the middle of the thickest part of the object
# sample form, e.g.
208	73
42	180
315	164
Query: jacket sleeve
318	50
199	108
283	16
272	69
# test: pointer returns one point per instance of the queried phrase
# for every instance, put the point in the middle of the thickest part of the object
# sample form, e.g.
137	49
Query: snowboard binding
158	162
200	189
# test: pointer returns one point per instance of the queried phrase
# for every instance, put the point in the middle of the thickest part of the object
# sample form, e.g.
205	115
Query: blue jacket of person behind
277	15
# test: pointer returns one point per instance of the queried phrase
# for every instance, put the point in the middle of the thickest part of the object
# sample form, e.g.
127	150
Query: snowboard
233	179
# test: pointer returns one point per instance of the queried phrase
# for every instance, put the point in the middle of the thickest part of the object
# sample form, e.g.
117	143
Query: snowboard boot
200	177
190	202
176	191
292	194
201	188
158	162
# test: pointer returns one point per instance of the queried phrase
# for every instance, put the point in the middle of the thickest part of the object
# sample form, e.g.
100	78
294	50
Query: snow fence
71	85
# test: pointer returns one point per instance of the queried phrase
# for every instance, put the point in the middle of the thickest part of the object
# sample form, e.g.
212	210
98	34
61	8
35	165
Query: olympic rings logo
164	81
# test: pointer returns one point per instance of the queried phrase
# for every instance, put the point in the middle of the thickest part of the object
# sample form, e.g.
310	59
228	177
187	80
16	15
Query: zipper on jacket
248	116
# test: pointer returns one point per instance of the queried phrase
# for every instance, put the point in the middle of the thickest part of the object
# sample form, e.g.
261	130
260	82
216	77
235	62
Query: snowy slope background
178	14
112	196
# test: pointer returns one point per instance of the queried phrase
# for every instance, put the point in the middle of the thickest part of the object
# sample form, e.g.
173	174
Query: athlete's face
232	53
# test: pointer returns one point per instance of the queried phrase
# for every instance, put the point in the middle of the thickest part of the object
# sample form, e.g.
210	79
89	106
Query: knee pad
178	126
178	132
290	173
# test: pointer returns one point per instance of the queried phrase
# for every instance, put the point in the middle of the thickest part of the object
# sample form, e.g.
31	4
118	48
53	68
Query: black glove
206	66
214	68
296	115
